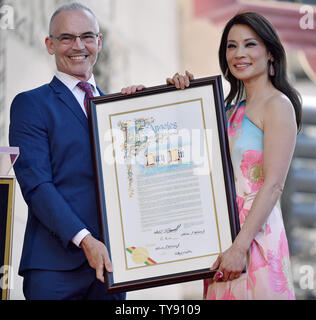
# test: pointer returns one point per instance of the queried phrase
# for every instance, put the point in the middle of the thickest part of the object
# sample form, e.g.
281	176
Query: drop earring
226	73
271	68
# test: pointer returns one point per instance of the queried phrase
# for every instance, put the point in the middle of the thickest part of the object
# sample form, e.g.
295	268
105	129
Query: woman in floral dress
262	131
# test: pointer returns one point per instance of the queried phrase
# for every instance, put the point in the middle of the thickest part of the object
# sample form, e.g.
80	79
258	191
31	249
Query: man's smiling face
77	58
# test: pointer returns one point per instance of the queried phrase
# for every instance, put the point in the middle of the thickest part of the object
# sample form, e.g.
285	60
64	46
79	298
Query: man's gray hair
69	7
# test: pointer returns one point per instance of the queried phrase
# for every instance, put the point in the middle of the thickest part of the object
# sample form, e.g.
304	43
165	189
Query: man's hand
97	255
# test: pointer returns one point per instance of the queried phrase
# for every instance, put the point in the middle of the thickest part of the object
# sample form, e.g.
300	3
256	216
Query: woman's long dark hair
263	28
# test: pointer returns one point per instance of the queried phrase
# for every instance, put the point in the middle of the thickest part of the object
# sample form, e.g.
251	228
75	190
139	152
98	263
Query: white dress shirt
71	83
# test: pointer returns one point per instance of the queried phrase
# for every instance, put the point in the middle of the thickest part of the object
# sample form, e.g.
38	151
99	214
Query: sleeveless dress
268	271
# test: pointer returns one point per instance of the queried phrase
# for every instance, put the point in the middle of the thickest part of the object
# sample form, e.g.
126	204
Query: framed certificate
165	183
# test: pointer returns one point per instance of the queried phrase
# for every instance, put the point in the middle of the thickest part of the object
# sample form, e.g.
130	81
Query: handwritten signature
168	247
168	230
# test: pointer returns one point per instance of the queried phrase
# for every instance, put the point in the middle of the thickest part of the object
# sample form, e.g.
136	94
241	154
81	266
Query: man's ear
100	40
49	45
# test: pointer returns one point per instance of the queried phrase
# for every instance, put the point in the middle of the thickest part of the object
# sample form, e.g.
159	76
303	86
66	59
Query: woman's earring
271	68
226	73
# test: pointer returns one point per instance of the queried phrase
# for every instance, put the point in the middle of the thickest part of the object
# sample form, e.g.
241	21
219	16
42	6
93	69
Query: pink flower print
243	213
268	228
252	170
228	295
235	121
211	296
279	271
240	203
257	261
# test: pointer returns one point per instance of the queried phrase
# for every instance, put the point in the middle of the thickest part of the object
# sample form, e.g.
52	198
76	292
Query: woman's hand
132	89
230	264
180	81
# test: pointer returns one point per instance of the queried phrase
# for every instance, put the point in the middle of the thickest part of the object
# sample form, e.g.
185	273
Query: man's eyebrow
71	34
89	32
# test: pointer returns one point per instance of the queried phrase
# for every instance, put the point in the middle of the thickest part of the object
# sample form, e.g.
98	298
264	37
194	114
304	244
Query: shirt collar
71	82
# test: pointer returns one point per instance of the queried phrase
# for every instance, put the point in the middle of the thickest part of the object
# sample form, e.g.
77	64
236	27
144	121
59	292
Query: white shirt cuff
79	237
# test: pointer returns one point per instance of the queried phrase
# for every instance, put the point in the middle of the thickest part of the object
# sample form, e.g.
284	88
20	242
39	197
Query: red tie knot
86	87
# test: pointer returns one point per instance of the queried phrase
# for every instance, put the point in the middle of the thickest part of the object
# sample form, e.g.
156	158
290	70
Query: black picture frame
213	108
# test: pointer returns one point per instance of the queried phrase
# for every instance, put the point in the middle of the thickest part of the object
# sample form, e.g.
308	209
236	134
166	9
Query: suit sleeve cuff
79	237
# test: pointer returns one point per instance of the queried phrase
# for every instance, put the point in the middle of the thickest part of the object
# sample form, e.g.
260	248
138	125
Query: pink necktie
87	88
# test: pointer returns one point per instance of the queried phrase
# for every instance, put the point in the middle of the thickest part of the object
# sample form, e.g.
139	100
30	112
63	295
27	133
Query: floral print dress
268	272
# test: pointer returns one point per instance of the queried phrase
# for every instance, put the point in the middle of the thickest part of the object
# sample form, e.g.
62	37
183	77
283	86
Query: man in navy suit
63	256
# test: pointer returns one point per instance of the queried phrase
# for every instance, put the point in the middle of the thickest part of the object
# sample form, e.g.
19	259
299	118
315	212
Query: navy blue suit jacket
56	176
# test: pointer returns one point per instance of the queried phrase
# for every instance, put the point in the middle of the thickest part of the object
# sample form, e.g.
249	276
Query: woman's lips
242	66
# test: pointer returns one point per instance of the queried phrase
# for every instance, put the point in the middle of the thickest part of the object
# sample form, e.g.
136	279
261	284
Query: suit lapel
100	92
66	96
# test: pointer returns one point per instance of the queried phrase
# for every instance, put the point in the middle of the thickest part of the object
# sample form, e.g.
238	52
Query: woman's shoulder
279	106
279	103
